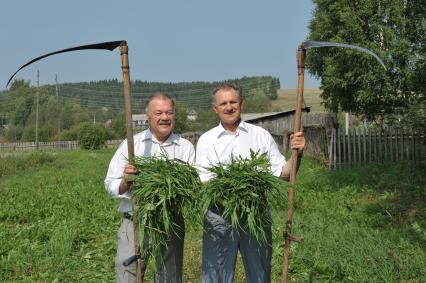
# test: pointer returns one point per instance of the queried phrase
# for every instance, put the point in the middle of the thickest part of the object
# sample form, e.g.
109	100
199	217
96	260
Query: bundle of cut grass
163	189
245	189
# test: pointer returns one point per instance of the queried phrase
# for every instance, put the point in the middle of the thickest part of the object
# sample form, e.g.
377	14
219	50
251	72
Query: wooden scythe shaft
124	54
301	53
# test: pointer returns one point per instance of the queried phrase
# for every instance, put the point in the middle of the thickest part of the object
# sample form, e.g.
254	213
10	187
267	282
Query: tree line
65	110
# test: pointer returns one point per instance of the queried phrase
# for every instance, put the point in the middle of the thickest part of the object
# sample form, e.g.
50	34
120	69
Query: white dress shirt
145	145
219	145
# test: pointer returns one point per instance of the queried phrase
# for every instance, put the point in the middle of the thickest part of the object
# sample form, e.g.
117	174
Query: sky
169	40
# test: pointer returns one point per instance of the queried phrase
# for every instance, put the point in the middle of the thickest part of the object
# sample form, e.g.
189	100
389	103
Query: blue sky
169	41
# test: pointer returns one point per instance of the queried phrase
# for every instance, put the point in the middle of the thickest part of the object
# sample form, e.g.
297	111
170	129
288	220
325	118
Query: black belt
128	216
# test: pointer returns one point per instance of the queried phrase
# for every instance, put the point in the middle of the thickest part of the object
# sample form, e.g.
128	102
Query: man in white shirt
157	140
233	137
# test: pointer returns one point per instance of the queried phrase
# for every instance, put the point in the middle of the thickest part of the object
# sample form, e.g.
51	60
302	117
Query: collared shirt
219	145
145	145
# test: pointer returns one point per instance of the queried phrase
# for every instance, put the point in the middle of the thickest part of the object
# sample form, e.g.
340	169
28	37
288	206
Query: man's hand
297	142
124	185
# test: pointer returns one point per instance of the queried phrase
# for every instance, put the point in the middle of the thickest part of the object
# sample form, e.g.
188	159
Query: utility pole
58	106
36	129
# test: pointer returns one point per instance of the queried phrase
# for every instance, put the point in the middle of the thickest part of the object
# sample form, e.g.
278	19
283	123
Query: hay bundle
245	189
163	189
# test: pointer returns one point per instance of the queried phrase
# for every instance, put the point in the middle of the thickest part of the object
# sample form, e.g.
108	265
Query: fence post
397	143
407	145
369	146
385	145
339	151
364	145
358	133
349	148
344	161
354	145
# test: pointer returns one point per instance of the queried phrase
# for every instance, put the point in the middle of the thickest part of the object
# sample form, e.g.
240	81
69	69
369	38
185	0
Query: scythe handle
124	52
301	53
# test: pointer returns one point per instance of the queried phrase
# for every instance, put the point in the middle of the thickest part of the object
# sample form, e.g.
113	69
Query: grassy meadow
286	100
365	224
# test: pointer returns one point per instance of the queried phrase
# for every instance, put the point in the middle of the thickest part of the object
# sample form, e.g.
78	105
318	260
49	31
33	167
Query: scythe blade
301	53
316	44
110	45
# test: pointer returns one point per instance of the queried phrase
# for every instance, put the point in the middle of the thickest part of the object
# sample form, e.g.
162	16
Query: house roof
254	117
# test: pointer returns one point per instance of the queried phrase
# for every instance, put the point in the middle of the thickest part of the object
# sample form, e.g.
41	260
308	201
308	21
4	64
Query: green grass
11	163
359	225
57	224
287	100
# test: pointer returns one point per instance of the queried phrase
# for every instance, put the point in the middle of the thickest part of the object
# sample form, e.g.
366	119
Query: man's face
161	118
228	106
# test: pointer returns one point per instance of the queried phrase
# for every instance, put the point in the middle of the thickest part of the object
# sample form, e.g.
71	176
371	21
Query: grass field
57	224
287	100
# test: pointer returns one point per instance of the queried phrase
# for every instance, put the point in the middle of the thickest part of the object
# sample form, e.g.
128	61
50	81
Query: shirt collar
241	127
173	138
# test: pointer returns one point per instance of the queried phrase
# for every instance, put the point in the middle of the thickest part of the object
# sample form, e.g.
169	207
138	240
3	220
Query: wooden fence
336	149
374	146
57	145
72	145
330	146
317	138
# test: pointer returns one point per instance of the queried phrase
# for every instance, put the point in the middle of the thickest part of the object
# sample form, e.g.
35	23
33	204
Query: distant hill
287	100
196	95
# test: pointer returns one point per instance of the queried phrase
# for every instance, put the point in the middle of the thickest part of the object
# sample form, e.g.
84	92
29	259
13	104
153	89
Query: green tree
256	103
71	114
355	82
47	113
18	84
92	136
22	97
181	114
118	127
206	119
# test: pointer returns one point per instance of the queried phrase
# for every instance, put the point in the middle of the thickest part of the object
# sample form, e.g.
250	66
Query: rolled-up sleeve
115	172
276	159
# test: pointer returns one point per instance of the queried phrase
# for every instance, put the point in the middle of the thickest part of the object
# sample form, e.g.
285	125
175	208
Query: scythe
111	45
301	54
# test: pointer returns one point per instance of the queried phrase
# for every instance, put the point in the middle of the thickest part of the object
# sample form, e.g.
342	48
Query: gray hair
226	86
159	95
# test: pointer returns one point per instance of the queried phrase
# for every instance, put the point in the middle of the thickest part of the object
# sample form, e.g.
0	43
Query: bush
92	136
